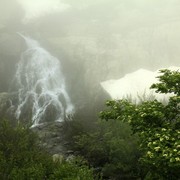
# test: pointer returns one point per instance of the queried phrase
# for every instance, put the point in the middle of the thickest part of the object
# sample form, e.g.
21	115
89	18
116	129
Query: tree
156	124
111	149
22	158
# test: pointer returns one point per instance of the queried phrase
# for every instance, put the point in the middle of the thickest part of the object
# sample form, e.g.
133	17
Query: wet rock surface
7	109
52	138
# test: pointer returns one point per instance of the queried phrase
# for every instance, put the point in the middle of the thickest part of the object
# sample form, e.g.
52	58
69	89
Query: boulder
58	158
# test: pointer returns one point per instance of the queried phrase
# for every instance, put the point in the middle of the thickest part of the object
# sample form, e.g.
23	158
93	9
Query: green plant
75	169
157	126
110	149
22	158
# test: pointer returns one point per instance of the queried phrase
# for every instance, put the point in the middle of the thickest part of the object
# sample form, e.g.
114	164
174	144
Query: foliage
111	149
157	126
75	169
169	82
20	155
22	158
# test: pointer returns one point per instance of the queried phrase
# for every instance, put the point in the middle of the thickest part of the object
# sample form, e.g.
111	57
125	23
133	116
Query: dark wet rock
7	109
51	137
70	152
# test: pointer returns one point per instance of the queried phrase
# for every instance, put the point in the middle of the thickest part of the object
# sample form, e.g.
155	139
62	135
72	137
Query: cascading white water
41	85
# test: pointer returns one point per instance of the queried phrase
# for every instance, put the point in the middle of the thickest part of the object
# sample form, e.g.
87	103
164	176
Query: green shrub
22	158
75	169
112	149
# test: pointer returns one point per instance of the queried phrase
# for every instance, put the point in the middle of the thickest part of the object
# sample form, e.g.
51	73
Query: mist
75	97
95	41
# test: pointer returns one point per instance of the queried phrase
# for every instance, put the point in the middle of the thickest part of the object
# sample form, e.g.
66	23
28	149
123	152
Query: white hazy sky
37	8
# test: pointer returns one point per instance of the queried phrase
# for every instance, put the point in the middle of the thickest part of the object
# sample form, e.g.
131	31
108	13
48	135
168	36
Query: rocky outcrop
4	101
52	138
58	158
7	109
51	134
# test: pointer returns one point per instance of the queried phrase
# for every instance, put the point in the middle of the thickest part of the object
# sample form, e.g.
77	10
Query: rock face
51	135
4	102
87	95
52	138
7	109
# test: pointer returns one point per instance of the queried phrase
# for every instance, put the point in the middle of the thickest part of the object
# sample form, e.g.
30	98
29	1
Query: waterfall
41	86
